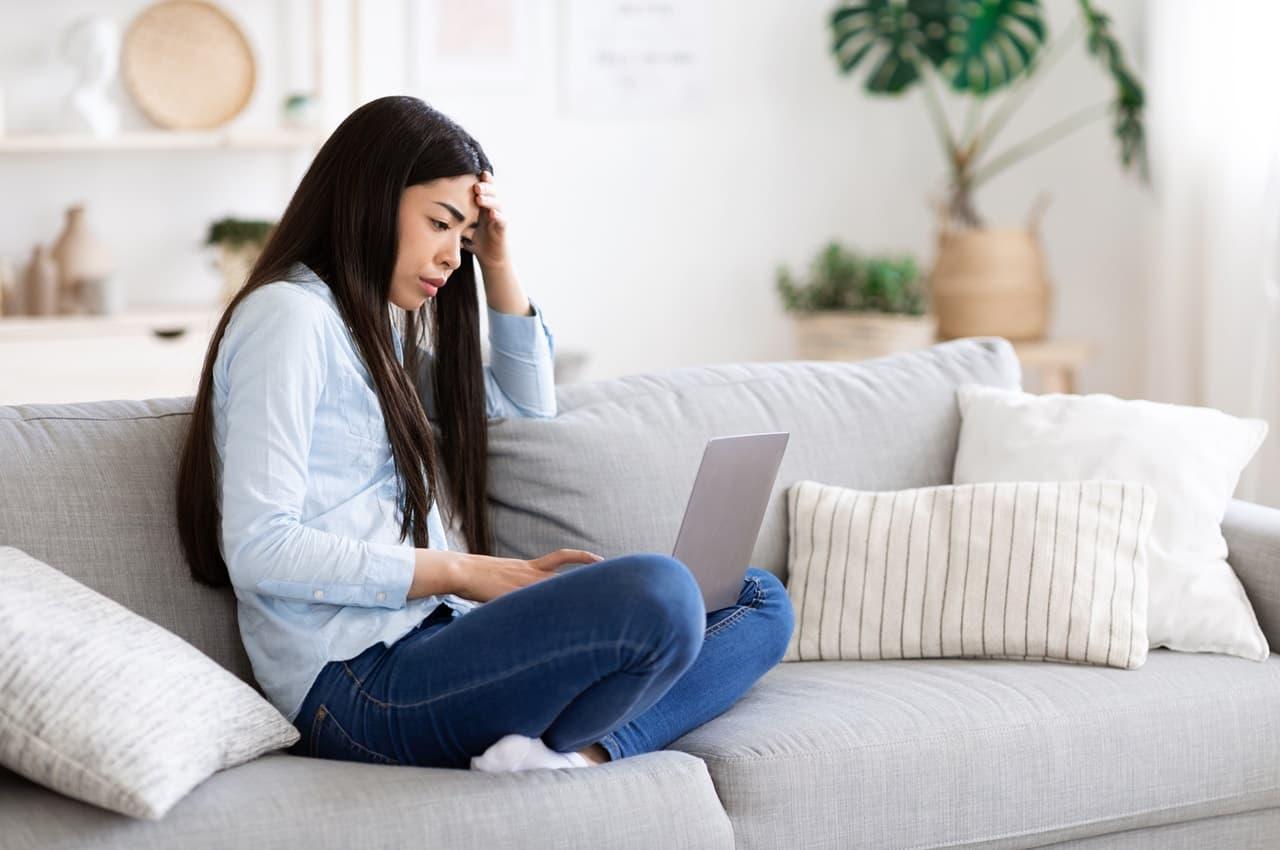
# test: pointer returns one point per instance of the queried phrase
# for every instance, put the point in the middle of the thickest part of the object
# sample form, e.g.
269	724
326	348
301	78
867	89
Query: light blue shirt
307	484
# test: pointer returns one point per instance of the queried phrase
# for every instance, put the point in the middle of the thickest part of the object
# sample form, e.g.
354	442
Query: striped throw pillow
1050	571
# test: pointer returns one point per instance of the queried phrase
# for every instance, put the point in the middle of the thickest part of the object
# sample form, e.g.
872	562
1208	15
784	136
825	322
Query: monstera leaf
1130	99
999	41
886	29
979	46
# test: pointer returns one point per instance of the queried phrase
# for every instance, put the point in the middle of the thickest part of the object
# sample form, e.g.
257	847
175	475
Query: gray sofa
1182	753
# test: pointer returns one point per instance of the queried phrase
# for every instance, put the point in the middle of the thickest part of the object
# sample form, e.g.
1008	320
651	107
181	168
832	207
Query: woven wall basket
188	65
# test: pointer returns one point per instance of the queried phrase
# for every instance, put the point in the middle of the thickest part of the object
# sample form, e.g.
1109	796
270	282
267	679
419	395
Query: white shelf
81	358
149	140
134	321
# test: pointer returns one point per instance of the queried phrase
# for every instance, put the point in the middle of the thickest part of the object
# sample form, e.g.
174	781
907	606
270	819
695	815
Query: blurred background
687	182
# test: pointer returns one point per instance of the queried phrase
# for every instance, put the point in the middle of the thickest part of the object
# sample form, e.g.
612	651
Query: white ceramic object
92	45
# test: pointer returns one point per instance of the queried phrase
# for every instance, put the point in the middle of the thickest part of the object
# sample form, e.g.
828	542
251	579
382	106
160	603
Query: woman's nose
452	258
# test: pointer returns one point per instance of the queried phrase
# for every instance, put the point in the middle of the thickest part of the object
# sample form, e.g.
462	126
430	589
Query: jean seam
360	681
315	728
506	675
324	711
756	598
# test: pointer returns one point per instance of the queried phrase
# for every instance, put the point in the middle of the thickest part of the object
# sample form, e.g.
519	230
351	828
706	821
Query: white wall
650	242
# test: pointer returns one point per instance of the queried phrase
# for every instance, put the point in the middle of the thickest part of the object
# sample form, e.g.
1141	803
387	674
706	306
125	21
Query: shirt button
381	596
319	594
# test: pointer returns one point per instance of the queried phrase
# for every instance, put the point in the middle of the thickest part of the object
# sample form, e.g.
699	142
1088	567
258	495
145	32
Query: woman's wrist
436	572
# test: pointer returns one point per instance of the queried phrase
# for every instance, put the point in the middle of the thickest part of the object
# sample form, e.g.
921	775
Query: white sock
520	752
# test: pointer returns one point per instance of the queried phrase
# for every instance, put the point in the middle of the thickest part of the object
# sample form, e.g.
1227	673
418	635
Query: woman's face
437	221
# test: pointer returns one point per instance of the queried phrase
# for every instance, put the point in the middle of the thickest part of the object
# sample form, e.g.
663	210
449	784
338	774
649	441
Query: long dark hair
342	222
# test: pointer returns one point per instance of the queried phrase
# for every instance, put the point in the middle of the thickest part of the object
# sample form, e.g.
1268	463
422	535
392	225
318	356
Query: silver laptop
722	519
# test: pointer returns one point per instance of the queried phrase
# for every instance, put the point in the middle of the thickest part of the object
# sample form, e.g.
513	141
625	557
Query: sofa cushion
1191	455
89	489
662	799
612	472
986	754
107	707
1040	570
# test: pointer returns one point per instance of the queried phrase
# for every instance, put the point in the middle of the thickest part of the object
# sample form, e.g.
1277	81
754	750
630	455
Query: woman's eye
442	226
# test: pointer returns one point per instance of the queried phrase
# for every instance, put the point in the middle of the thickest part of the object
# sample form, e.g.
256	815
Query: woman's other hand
489	244
483	578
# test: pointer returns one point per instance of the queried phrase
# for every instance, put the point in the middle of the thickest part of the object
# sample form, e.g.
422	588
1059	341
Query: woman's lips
431	286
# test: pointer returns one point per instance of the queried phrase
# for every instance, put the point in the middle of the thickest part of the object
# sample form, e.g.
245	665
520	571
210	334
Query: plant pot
846	335
235	262
990	282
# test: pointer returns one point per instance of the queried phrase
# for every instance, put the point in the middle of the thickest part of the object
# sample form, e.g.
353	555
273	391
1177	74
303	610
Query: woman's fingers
566	556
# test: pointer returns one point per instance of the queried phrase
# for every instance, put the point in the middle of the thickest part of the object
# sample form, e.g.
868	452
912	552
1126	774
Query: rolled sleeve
521	375
276	370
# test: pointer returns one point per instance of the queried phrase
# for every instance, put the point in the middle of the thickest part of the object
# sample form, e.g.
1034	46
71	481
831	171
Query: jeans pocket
328	740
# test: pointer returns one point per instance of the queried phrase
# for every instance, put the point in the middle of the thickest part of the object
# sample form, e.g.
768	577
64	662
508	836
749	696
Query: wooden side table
1057	361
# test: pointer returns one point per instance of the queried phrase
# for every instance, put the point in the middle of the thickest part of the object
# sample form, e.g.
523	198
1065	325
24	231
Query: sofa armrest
1253	550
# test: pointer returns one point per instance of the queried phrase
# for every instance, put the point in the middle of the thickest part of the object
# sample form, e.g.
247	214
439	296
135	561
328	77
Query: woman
311	459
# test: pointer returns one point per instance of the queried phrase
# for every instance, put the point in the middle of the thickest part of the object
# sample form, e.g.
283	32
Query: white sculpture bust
92	45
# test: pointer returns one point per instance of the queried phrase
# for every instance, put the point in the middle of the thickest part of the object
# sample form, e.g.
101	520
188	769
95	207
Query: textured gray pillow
103	705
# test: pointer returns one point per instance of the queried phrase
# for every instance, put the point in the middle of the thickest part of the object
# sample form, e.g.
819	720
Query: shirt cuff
518	335
391	569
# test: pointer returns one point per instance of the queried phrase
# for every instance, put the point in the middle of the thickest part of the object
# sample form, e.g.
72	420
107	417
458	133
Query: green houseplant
238	242
985	52
850	306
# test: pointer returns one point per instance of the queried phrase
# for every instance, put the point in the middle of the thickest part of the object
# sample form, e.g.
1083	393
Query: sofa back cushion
611	473
89	489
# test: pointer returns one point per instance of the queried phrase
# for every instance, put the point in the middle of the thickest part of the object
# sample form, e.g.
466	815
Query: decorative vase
80	256
991	282
41	282
847	335
235	262
10	289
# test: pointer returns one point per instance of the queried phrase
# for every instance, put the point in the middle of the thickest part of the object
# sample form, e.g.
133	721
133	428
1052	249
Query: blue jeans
619	652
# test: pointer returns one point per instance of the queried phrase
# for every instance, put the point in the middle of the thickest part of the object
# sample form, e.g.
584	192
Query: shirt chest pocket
360	411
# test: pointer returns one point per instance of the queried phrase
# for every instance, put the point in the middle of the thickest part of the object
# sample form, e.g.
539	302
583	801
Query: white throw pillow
105	706
1025	570
1192	456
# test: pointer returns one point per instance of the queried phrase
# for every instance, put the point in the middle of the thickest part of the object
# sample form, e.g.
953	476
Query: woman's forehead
454	191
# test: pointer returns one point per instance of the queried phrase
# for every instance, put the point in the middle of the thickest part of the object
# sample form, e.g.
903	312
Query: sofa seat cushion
982	753
662	799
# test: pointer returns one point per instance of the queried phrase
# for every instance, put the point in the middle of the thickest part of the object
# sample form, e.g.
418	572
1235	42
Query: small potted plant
239	241
854	307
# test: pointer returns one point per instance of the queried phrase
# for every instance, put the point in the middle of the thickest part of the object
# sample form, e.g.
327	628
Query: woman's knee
665	589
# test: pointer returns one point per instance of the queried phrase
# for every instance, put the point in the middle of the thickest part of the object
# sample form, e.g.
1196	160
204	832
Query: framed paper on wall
479	44
620	58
